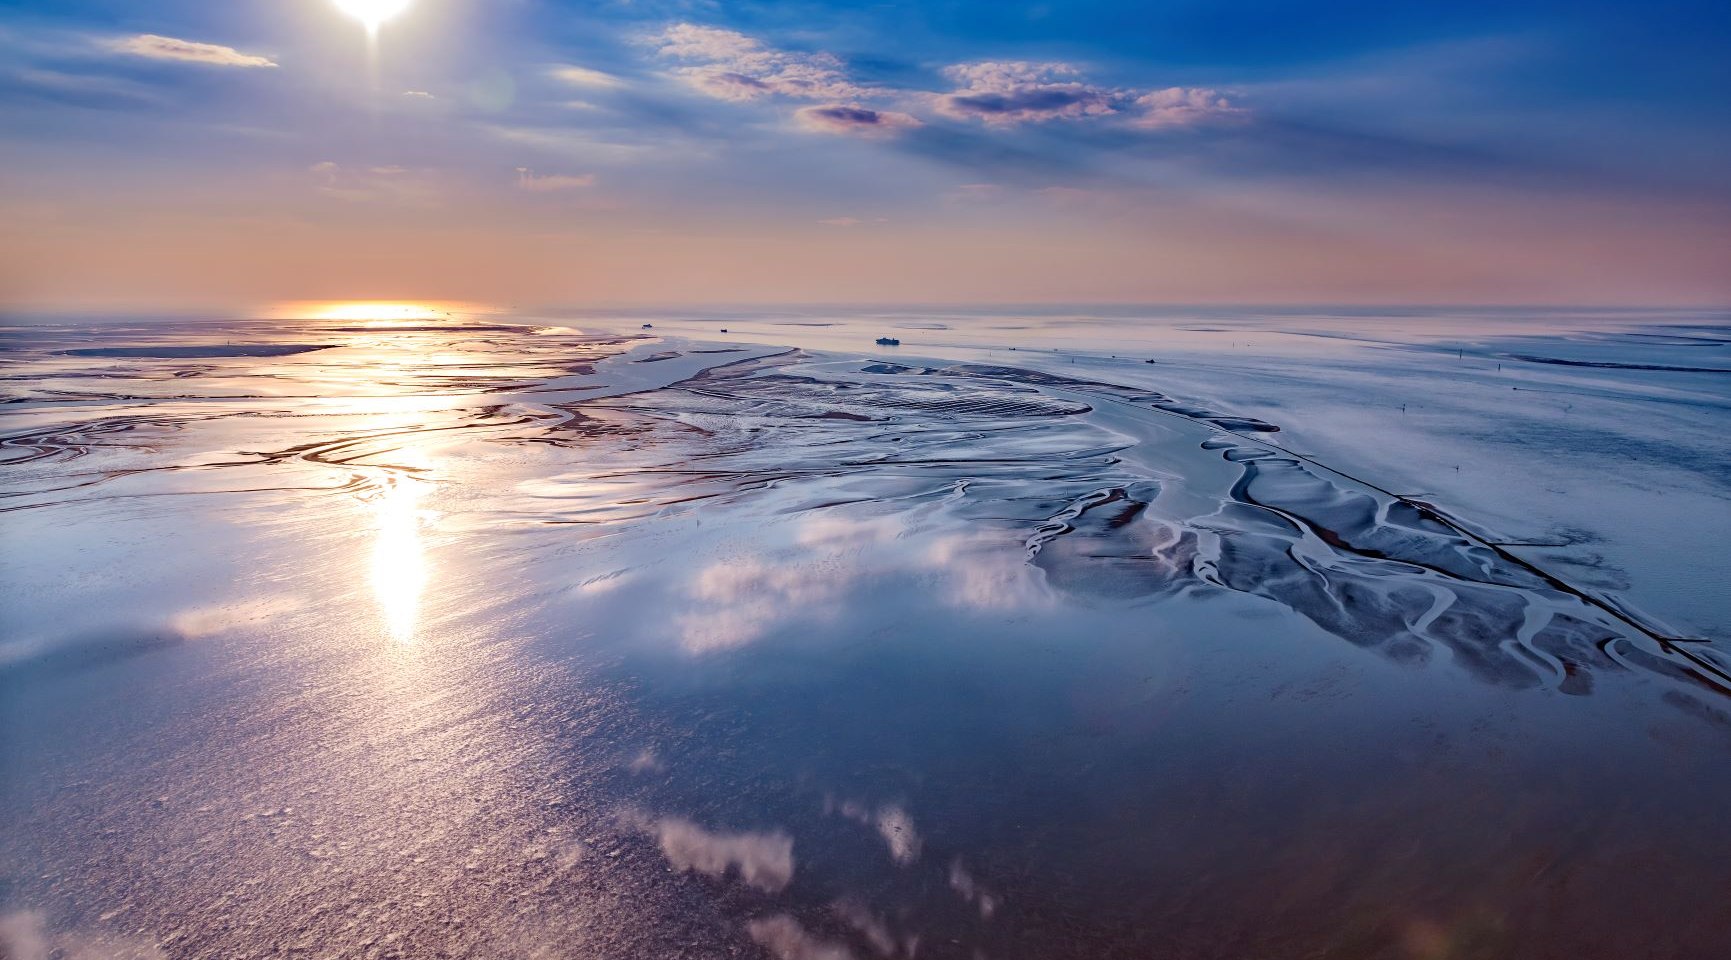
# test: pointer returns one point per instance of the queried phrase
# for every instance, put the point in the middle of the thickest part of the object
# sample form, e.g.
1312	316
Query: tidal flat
1045	634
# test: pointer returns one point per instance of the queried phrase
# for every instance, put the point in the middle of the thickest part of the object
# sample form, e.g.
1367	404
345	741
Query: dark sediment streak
1610	365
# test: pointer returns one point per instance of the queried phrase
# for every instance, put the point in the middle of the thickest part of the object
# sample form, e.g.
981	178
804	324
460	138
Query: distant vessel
889	342
649	326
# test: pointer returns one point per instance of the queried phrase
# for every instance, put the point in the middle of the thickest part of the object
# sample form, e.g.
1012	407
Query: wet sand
470	638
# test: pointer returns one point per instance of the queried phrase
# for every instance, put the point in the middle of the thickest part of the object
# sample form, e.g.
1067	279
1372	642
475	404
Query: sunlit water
381	630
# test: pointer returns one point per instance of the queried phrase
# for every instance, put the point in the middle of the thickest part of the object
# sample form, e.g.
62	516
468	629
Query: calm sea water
1040	634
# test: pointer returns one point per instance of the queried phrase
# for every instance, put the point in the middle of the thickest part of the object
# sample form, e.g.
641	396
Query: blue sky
644	151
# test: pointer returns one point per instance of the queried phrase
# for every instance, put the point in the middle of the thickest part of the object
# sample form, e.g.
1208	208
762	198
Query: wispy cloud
570	144
583	76
969	193
156	47
388	184
85	90
528	180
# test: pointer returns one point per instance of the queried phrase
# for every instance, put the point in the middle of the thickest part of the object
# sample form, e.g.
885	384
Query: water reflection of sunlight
377	312
399	558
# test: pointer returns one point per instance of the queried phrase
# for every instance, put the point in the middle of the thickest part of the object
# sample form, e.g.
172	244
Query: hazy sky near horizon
657	151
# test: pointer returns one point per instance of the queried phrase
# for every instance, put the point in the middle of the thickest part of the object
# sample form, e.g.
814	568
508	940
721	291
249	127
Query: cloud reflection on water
738	600
763	859
27	935
785	939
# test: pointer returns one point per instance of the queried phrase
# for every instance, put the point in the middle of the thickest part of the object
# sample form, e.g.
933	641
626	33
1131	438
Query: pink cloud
1016	92
528	180
689	41
729	65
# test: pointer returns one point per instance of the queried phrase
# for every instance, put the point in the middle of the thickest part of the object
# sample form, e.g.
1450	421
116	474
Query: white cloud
583	76
190	51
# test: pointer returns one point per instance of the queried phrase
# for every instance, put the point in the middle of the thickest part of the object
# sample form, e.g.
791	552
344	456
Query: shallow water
556	636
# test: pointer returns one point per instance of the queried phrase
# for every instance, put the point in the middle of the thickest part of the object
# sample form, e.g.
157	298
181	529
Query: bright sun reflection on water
399	558
376	312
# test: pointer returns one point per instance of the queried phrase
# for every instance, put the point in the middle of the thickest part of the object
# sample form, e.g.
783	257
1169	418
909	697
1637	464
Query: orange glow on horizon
376	312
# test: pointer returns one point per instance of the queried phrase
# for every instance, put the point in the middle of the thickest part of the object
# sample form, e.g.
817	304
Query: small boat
889	342
723	329
649	326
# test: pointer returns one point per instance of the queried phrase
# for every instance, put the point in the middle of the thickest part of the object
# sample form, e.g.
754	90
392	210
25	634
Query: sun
371	13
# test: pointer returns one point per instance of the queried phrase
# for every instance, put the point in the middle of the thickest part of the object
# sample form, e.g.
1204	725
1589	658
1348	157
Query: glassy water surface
391	631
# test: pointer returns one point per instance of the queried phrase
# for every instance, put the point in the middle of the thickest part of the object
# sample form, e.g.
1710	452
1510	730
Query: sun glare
371	13
381	313
378	311
399	559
